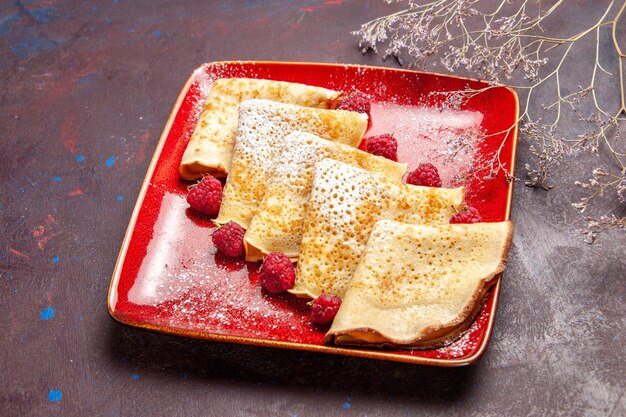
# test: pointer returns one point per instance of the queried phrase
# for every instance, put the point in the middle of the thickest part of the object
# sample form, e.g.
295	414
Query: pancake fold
262	127
345	204
420	286
278	224
210	147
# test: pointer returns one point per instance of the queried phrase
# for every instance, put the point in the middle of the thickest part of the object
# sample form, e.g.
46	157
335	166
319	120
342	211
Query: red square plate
169	278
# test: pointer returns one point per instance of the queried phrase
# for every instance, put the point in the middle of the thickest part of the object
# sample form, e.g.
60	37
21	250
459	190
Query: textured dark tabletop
86	90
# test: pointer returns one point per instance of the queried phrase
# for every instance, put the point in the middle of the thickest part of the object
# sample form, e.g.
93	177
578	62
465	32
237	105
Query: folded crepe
210	147
420	286
345	204
277	225
263	125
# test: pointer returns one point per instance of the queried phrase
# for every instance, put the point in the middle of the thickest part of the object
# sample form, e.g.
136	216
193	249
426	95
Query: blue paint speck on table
110	161
47	313
43	14
156	33
120	198
57	179
347	404
80	158
85	79
5	22
135	376
55	395
56	259
32	45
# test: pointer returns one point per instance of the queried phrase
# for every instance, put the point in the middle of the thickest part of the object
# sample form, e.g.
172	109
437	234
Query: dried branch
509	43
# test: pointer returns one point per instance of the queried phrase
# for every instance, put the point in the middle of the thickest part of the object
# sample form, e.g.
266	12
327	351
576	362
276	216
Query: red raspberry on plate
206	196
325	308
467	215
425	175
358	102
363	145
382	145
277	273
229	239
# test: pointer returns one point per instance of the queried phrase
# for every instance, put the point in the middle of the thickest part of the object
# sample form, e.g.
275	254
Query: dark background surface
86	90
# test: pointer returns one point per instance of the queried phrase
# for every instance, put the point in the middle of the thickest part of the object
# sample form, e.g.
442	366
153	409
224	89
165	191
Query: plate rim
248	341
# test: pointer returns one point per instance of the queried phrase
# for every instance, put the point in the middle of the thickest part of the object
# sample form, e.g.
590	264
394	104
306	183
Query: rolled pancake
262	127
345	204
210	147
420	286
277	225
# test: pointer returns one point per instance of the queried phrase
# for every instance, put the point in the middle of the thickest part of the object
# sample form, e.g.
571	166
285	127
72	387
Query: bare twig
499	45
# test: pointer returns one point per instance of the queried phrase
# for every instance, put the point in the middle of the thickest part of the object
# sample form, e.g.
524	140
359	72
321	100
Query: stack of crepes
299	185
210	148
408	278
279	222
262	127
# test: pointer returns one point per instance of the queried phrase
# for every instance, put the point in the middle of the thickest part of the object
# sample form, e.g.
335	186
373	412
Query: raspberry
325	308
382	145
425	175
206	196
363	145
467	215
277	273
229	239
358	102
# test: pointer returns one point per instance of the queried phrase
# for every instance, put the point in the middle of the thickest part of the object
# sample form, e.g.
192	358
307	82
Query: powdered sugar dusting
340	191
302	148
427	134
262	126
191	283
149	287
203	81
467	342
